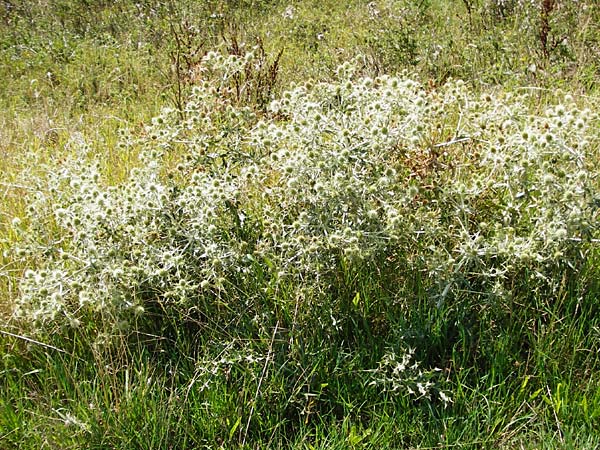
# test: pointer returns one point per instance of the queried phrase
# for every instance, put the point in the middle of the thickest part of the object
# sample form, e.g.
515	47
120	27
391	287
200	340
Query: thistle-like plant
476	194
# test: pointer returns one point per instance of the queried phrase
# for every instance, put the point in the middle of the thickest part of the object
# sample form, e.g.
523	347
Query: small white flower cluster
289	12
232	357
337	176
403	375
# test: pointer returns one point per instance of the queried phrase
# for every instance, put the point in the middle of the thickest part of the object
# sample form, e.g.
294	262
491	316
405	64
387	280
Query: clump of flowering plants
476	194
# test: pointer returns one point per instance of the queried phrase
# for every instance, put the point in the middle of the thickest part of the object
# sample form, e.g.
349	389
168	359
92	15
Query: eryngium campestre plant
475	193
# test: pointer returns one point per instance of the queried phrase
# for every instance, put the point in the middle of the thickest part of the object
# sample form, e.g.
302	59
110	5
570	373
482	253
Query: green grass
266	365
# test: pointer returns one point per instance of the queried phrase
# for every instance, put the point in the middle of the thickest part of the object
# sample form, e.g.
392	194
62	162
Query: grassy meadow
249	224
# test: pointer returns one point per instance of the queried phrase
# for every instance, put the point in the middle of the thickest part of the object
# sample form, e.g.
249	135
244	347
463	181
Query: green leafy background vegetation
301	224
